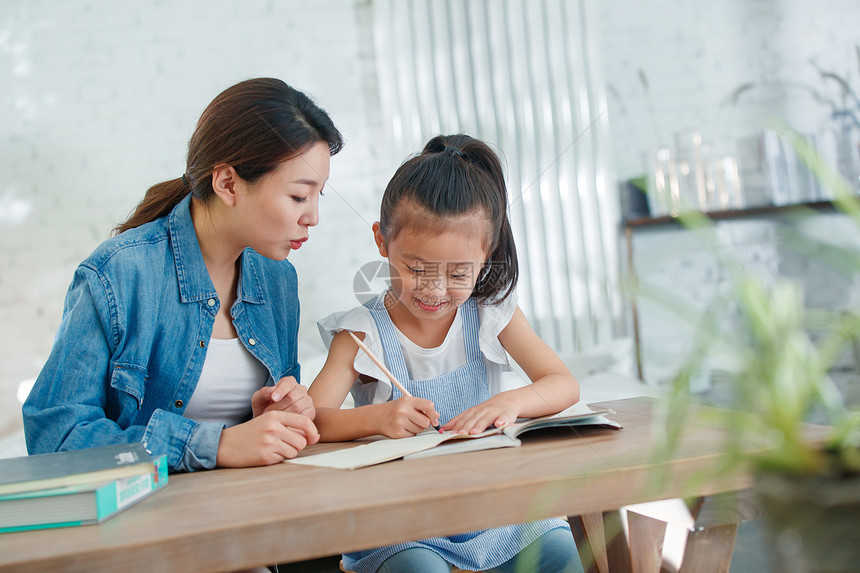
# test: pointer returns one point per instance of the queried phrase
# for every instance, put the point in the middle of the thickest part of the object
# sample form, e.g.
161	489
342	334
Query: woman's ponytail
160	199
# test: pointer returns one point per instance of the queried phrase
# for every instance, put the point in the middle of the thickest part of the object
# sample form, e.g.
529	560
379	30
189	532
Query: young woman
180	331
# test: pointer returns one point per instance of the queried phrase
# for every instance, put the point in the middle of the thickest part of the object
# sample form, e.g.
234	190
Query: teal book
79	504
75	467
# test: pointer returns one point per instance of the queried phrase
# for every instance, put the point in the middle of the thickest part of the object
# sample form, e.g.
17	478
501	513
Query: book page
461	446
374	452
580	414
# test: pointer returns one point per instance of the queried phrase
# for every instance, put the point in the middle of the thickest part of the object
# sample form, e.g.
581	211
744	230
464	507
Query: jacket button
252	342
202	344
178	403
211	302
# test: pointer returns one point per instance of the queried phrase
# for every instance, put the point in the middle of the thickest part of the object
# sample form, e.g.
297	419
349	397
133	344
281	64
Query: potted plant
775	356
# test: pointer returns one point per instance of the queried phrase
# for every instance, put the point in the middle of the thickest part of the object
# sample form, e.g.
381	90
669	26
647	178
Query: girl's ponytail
500	274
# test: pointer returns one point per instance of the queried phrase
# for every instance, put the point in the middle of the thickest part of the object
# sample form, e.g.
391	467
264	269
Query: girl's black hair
457	175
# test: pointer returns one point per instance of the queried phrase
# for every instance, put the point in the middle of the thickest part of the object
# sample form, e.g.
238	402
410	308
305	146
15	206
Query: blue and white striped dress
452	393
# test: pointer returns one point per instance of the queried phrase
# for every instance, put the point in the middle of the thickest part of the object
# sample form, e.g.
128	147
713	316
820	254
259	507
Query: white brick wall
98	101
695	53
682	277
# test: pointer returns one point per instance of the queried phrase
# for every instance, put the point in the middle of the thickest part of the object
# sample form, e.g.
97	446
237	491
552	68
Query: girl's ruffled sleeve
356	320
494	319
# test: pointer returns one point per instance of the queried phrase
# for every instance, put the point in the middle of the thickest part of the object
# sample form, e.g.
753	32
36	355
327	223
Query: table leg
711	542
601	542
709	549
646	536
604	548
590	541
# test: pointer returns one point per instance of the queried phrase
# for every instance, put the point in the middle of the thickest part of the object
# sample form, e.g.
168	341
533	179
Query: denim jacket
136	325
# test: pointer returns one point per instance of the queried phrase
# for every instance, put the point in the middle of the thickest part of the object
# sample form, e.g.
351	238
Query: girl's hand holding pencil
406	417
403	418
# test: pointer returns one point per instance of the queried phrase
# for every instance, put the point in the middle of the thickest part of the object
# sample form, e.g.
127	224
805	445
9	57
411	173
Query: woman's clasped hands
287	396
281	427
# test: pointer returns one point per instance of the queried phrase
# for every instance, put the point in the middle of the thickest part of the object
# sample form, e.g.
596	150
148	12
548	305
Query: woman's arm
553	387
403	417
66	409
81	399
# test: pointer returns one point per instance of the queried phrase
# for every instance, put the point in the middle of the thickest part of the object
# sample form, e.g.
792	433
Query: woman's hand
498	411
285	396
406	417
269	438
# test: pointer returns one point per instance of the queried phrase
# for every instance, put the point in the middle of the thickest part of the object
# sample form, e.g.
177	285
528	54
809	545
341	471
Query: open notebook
434	443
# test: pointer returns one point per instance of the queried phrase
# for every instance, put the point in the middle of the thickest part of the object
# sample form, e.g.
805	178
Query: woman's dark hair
253	126
456	175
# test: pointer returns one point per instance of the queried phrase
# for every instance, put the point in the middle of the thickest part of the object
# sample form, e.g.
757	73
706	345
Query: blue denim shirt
136	325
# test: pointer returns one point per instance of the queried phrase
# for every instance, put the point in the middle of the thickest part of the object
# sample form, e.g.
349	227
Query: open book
434	443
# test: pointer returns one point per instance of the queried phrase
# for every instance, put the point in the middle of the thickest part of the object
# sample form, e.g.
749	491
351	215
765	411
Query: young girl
445	328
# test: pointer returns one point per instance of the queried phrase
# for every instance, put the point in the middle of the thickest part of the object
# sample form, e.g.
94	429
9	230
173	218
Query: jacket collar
194	281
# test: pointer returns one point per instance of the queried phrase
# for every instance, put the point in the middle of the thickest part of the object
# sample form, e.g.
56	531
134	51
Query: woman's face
277	210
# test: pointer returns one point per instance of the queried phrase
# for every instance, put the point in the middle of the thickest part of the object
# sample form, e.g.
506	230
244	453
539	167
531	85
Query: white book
387	449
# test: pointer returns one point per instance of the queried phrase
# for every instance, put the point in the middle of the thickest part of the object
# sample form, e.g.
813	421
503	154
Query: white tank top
229	377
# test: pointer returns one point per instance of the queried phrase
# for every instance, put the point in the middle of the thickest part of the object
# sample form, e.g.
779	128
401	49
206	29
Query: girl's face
432	273
278	209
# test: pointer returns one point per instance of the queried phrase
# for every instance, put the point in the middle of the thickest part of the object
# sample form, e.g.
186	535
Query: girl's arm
403	417
553	387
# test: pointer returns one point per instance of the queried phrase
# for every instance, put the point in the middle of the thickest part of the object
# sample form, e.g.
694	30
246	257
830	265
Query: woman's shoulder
138	244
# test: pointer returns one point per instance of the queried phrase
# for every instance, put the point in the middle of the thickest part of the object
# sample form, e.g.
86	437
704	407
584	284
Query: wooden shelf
732	214
631	225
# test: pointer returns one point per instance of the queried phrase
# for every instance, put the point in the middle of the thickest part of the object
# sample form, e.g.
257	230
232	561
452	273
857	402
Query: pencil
384	369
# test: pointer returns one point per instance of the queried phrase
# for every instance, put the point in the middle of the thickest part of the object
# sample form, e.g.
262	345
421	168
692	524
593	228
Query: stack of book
76	487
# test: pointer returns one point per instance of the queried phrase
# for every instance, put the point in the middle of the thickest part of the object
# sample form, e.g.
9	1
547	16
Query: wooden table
229	519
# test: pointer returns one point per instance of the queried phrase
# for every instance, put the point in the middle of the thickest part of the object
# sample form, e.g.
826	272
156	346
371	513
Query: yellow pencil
384	369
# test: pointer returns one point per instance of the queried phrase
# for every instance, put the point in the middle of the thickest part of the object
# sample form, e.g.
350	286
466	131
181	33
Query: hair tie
453	151
185	182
